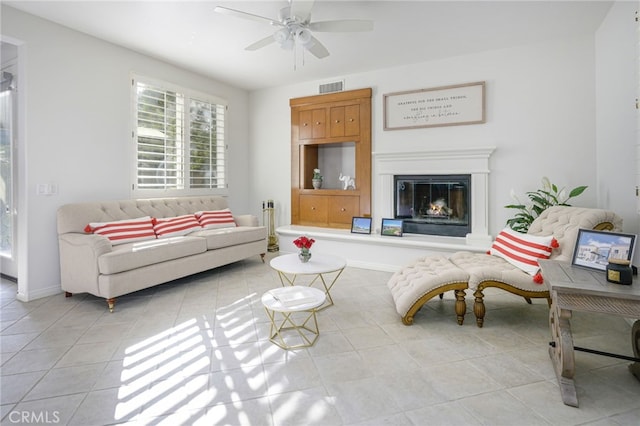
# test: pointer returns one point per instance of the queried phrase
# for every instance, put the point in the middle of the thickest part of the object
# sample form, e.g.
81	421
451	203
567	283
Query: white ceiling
191	35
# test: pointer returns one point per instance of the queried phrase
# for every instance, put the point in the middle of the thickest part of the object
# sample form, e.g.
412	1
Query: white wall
540	116
617	81
76	132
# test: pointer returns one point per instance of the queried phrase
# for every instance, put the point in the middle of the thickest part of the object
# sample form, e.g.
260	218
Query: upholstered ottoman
492	271
418	282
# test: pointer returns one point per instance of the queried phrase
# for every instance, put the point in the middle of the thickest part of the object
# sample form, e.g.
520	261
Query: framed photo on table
593	249
391	227
361	225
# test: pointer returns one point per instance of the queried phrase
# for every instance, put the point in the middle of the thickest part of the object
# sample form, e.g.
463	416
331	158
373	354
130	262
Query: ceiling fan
295	27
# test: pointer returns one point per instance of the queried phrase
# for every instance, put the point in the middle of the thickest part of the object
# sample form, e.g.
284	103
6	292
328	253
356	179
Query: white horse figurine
347	181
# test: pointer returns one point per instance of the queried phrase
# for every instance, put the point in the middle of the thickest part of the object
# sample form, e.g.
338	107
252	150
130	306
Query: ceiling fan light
304	36
287	44
281	36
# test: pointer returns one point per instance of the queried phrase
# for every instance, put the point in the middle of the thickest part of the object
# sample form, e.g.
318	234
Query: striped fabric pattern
124	231
216	219
522	250
175	226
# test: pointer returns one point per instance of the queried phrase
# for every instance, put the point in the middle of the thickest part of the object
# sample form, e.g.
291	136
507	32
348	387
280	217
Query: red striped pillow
216	219
522	250
175	226
124	231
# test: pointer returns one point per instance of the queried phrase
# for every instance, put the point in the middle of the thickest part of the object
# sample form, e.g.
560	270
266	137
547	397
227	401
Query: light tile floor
196	351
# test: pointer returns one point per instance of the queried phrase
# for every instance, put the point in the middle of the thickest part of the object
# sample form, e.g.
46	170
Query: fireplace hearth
433	204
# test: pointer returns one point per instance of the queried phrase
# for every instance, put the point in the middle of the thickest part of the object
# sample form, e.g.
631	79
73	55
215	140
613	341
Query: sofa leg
461	306
262	257
67	294
478	307
528	299
111	303
441	295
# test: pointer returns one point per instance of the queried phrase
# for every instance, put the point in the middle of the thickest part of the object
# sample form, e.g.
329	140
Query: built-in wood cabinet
331	123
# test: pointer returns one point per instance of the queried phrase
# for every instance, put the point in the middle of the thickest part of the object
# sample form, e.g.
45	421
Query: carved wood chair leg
111	303
461	306
528	299
441	295
478	307
67	294
262	257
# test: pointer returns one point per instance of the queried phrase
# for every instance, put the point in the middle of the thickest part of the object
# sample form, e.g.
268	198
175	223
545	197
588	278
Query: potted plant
541	199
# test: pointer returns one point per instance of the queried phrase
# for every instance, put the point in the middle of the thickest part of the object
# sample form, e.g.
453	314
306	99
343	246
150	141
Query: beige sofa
91	263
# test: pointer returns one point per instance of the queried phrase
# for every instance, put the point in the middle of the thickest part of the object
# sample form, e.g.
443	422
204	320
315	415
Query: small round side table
284	307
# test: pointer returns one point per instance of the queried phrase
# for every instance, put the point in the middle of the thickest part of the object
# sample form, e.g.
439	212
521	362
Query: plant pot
317	183
304	256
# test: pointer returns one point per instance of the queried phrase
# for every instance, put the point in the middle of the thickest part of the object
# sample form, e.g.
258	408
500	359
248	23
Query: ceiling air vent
336	86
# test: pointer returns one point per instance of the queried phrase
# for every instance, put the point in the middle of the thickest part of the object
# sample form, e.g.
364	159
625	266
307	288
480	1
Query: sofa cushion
216	219
136	255
175	226
225	237
124	231
522	250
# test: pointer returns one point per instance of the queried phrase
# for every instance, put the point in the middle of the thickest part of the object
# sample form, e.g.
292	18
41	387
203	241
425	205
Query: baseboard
38	294
8	277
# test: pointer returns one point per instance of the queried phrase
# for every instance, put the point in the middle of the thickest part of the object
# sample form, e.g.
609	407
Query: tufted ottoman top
424	275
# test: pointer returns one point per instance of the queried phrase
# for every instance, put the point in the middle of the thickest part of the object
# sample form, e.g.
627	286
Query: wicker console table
581	289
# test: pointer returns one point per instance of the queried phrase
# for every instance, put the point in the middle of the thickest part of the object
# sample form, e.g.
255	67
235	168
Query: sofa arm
246	220
79	261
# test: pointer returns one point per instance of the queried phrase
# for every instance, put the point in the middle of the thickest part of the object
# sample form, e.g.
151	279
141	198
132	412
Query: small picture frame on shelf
391	227
593	249
361	225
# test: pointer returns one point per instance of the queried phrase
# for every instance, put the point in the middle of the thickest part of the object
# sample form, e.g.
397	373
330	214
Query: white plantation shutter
180	140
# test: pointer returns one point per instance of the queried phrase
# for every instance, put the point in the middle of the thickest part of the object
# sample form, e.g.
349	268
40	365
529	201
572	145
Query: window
180	140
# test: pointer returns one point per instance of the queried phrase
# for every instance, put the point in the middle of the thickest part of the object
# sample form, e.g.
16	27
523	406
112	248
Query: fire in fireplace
433	204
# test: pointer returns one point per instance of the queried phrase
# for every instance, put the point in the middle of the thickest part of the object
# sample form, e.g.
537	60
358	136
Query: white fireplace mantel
473	161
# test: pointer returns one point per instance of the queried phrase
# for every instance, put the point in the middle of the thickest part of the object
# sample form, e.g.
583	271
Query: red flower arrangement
304	242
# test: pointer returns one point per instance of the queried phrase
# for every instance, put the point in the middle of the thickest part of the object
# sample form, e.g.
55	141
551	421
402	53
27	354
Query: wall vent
336	86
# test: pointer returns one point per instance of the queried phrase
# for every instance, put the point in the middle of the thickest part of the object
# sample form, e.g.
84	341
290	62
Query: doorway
8	182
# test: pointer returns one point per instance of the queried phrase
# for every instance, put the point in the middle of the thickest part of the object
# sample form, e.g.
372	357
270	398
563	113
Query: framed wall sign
391	227
361	225
593	249
440	106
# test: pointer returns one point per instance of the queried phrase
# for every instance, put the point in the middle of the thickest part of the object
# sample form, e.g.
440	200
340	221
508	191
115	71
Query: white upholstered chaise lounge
415	284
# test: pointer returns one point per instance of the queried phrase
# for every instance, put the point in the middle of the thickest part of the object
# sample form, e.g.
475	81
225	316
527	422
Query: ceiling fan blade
260	43
301	9
342	25
245	15
316	48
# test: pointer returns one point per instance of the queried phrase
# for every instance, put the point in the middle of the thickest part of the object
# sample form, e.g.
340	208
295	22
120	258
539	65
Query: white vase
317	183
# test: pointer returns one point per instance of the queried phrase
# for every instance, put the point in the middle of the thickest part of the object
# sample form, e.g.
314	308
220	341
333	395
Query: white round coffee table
320	266
283	306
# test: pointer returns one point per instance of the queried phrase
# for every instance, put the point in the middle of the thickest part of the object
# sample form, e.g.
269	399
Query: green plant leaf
577	191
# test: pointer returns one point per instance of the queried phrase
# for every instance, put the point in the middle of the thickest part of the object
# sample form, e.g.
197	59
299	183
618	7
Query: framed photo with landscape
391	227
593	249
361	225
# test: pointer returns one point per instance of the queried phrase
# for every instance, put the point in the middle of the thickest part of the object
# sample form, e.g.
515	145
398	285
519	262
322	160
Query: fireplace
433	204
472	162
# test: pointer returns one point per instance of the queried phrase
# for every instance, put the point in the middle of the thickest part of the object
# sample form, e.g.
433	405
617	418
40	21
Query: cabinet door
319	123
313	209
352	120
337	122
343	208
305	128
